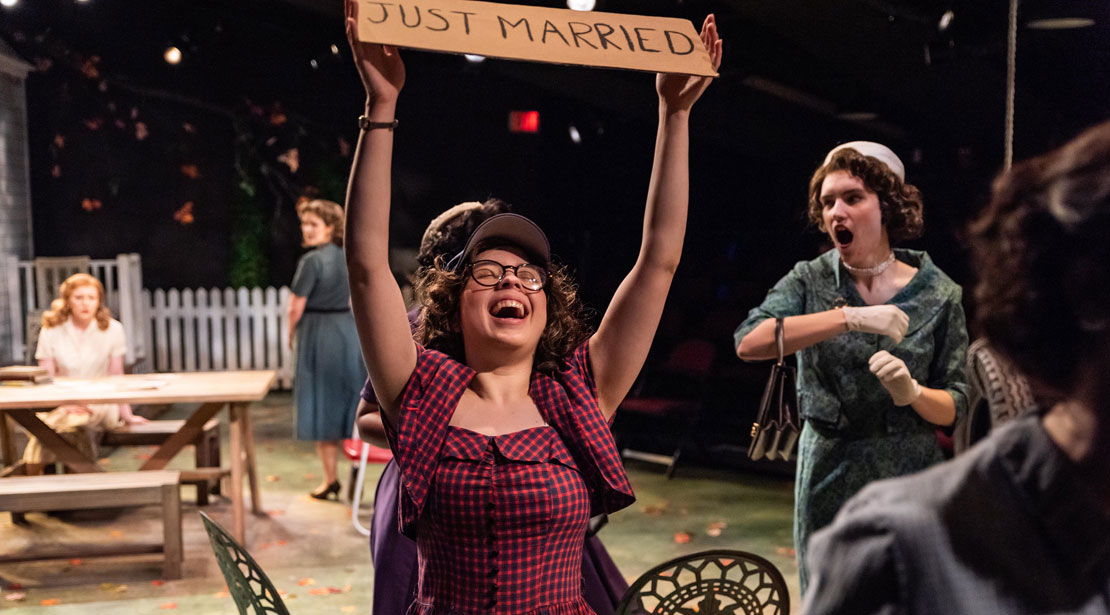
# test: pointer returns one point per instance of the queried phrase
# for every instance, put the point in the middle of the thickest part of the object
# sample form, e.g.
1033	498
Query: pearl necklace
870	271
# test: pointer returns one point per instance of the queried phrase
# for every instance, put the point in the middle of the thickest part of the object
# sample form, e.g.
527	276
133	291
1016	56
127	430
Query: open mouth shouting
508	309
842	236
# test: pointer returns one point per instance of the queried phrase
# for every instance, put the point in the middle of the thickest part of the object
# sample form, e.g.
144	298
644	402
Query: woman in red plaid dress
498	417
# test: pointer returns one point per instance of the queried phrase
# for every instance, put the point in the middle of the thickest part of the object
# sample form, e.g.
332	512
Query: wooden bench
102	490
154	433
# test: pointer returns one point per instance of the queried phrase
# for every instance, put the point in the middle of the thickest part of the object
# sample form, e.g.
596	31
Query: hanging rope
1011	70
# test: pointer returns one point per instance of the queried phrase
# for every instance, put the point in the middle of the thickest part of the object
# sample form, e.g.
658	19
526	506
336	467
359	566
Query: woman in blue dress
880	337
329	368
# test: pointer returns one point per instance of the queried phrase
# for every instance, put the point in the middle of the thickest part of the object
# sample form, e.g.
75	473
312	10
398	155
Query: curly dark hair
1043	251
899	202
439	291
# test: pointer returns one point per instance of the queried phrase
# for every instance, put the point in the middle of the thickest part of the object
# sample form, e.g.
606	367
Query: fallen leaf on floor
116	533
291	597
347	609
76	561
282	592
273	478
15	596
309	476
105	462
715	528
785	551
334	590
306	581
112	587
281	543
275	513
15	586
319	591
655	510
143	456
221	594
166	606
713	532
683	537
158	582
50	602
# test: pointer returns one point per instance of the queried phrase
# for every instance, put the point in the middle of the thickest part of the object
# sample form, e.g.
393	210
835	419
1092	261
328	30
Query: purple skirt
394	558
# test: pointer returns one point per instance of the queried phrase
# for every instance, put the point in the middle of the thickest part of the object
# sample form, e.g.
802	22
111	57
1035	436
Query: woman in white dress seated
80	339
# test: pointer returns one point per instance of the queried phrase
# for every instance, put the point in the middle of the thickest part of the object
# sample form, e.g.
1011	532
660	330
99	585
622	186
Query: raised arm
622	341
379	310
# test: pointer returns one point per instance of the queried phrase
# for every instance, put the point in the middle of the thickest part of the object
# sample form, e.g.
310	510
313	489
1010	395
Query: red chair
361	454
667	401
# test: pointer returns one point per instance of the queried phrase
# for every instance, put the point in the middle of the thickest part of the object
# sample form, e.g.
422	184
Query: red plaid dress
501	519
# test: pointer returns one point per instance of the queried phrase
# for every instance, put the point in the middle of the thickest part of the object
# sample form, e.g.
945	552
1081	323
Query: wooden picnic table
212	390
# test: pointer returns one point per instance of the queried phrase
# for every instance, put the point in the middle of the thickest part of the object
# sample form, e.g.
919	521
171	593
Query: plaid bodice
499	520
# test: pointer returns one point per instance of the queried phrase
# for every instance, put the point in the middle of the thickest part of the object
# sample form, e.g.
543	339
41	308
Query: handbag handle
779	335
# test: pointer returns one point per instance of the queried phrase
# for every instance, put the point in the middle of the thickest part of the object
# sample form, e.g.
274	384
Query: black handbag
777	426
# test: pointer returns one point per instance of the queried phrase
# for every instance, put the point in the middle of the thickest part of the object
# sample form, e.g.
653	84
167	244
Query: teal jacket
835	387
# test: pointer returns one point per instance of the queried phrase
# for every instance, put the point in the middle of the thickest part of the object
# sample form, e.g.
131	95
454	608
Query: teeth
517	306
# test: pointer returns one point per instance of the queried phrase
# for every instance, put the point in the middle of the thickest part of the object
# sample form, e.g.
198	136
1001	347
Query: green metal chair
718	582
252	591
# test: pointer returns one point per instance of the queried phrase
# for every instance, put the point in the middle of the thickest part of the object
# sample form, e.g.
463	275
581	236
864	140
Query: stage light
581	5
945	20
314	64
172	55
524	121
9	2
334	49
1060	23
470	57
575	136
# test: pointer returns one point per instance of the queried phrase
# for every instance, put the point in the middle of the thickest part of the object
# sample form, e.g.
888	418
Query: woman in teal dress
880	337
329	368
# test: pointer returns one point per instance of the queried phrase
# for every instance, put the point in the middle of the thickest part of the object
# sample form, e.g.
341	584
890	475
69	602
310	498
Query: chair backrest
692	357
31	336
999	392
51	271
252	591
721	581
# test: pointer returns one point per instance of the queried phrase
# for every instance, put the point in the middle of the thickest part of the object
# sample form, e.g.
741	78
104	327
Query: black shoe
327	492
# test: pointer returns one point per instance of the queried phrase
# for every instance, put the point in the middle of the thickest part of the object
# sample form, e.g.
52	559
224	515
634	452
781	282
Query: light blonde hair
59	311
328	211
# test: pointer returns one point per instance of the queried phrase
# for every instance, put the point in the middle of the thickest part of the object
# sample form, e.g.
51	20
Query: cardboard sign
537	34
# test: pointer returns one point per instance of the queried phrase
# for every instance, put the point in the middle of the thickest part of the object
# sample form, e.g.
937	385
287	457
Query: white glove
885	320
895	378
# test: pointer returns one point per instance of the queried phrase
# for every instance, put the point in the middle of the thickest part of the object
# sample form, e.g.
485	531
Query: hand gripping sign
537	34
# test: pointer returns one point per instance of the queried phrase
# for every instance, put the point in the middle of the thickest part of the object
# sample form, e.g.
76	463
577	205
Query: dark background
206	199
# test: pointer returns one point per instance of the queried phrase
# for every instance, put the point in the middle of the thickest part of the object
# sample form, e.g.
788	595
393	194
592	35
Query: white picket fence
228	329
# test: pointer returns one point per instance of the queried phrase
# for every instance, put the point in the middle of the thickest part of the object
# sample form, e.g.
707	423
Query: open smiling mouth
843	236
508	308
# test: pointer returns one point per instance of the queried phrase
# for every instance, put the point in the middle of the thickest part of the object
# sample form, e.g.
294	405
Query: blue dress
853	432
329	369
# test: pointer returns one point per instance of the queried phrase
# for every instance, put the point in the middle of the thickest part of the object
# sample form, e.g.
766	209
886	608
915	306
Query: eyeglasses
490	273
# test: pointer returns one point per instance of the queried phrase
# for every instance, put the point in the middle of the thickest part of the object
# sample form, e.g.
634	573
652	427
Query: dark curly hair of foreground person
1042	248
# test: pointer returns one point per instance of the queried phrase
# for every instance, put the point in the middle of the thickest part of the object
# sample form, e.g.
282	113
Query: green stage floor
315	557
